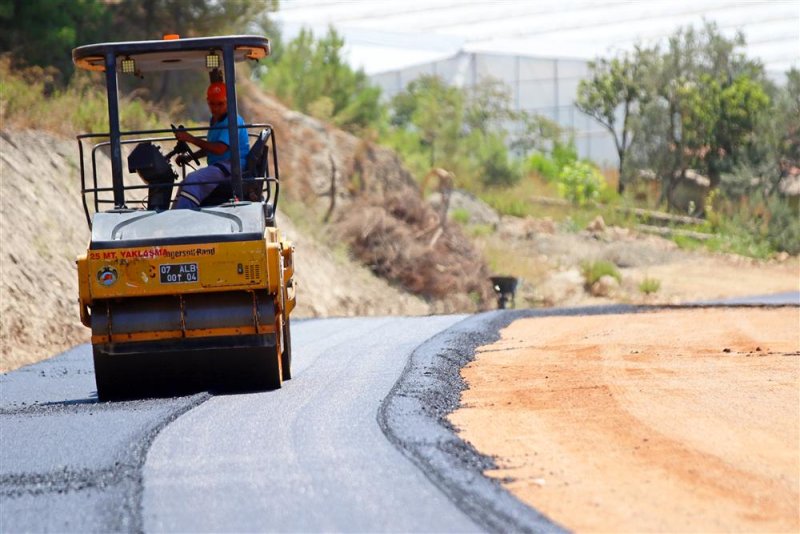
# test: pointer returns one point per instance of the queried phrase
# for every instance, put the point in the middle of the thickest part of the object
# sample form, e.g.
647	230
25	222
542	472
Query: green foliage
564	154
742	234
711	96
783	228
435	112
480	230
151	19
460	215
507	204
456	129
614	84
407	144
580	183
79	107
648	286
312	76
487	106
777	134
43	32
542	165
592	271
736	240
538	133
696	103
496	169
549	167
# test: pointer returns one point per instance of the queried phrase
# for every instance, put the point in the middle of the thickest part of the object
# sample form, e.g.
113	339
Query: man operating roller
216	147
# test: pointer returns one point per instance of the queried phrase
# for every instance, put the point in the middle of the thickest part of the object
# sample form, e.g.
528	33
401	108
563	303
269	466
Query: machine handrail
96	191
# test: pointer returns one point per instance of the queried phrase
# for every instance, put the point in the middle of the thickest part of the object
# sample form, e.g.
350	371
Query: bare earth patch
667	421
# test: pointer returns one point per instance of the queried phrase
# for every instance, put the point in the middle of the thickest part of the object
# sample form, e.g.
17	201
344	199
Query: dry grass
31	98
396	237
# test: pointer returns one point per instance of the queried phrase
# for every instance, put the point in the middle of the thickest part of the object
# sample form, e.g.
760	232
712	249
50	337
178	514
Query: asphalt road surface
308	457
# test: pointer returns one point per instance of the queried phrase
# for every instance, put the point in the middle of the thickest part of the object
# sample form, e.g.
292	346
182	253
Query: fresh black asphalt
309	457
312	456
67	462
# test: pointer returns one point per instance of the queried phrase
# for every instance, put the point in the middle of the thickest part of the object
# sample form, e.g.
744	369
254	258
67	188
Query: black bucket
505	287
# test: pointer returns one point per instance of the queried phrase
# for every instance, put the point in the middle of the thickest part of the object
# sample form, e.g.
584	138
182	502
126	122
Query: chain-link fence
543	86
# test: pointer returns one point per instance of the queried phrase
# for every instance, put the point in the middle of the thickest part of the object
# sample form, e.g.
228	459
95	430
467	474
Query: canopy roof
170	54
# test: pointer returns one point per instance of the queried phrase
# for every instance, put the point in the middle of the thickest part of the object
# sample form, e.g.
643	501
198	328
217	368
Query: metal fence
544	86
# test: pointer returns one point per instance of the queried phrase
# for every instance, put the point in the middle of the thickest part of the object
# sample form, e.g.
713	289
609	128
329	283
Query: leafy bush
480	230
580	183
593	271
543	166
460	215
564	154
750	226
549	167
649	285
507	204
742	234
783	228
496	168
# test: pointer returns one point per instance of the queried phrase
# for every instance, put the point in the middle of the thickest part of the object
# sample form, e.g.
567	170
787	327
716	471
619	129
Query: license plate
178	273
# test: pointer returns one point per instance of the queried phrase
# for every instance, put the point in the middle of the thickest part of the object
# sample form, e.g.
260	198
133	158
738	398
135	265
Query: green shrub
592	271
783	229
608	195
543	166
506	204
564	154
496	168
580	183
480	230
649	285
687	243
549	167
460	215
740	239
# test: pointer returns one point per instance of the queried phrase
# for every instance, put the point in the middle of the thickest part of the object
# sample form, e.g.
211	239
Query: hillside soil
683	420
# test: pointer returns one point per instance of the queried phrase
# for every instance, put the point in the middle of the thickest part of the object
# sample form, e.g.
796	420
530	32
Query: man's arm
204	146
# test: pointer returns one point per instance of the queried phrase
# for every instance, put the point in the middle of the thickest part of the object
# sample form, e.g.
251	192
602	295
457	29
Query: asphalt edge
413	416
131	520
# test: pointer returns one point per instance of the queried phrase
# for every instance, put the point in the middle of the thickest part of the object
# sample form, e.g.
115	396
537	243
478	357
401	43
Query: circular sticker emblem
107	276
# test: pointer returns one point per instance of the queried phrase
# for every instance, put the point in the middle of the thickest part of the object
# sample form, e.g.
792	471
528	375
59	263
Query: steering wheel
182	147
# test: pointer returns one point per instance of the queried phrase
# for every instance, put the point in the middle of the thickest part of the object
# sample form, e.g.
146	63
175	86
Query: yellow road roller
182	300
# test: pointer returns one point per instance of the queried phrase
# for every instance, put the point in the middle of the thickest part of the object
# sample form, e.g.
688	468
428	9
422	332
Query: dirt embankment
42	229
669	421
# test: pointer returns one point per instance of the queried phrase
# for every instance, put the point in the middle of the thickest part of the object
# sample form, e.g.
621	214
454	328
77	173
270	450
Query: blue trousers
192	193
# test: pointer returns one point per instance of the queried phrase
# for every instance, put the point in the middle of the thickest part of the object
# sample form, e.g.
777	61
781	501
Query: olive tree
611	95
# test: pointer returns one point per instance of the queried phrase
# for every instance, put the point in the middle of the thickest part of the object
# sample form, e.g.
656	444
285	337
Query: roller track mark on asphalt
68	462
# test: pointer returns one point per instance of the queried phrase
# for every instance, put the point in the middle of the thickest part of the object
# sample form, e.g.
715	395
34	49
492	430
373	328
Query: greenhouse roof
386	35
